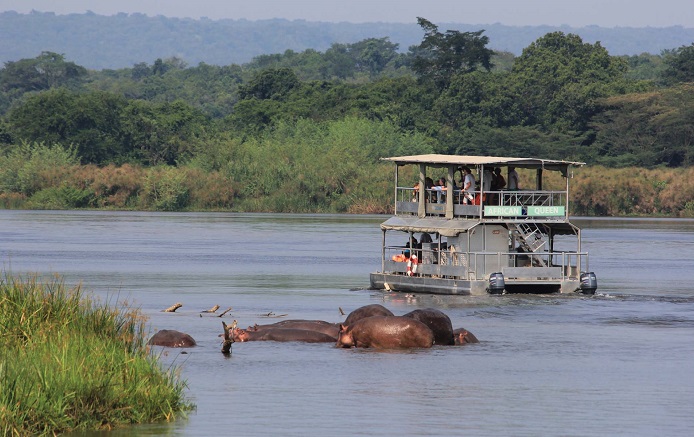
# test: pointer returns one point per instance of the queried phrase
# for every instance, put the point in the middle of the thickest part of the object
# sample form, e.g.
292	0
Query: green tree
163	133
442	55
48	70
558	80
679	65
273	84
90	122
373	55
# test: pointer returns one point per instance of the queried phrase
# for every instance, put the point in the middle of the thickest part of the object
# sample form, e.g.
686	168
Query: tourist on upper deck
440	188
498	184
468	186
487	181
513	179
498	181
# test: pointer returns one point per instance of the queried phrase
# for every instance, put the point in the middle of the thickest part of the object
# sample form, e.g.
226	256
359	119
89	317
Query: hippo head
344	337
464	337
240	335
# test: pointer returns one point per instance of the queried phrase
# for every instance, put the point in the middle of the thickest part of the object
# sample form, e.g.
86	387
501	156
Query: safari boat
447	240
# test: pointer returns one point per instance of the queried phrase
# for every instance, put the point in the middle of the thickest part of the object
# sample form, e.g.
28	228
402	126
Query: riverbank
302	186
69	363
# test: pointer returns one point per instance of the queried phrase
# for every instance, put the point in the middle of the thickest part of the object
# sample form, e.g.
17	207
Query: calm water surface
618	363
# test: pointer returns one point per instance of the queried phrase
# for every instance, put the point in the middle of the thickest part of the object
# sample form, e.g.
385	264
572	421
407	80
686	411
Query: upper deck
490	205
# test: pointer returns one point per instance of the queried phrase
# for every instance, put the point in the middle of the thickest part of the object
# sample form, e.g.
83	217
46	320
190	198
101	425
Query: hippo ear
343	327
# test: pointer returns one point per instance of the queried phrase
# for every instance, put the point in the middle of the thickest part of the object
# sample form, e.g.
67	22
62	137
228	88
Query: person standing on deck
513	179
487	182
468	186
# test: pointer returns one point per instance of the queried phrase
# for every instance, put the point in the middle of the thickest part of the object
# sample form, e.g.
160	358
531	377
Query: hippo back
386	332
367	311
172	338
438	322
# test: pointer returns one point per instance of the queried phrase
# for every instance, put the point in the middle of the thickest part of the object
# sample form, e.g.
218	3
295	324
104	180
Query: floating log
173	308
225	311
211	310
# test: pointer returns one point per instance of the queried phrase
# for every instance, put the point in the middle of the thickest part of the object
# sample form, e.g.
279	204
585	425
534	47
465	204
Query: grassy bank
68	363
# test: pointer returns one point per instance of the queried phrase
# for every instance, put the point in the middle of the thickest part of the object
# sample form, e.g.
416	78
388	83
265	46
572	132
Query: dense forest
303	131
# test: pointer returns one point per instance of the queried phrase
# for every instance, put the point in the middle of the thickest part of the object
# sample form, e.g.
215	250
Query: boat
447	240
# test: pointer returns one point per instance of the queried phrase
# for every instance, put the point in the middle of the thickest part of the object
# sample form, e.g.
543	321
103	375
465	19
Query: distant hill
120	41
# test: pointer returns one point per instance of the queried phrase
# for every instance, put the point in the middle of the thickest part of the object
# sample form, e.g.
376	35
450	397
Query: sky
574	13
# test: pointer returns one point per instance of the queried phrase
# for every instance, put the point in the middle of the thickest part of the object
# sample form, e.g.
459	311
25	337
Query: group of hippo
371	326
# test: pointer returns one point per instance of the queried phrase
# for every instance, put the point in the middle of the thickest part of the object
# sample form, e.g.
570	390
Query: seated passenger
440	188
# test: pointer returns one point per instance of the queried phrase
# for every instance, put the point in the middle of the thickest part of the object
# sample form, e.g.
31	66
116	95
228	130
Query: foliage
647	129
165	189
168	136
48	70
274	84
558	80
68	363
679	65
632	191
30	167
442	55
106	128
310	166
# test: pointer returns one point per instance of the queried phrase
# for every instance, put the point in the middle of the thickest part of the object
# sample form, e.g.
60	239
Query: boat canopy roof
447	228
435	160
453	227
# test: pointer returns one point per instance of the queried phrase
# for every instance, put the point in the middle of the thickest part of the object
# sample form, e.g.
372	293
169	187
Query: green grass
68	363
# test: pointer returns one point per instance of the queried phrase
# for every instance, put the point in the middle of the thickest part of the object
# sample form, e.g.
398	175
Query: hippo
330	329
386	332
462	336
367	311
171	338
439	323
281	334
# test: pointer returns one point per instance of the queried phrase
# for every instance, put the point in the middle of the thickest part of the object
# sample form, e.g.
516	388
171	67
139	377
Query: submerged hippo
330	329
172	338
386	332
281	334
367	311
463	336
439	323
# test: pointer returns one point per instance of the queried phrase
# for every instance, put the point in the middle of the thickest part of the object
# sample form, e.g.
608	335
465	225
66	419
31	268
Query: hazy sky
605	13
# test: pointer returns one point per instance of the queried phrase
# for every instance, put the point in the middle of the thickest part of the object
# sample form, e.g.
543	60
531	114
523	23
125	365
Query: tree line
254	124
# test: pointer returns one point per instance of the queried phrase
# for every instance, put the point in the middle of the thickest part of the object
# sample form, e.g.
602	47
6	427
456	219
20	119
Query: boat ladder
531	240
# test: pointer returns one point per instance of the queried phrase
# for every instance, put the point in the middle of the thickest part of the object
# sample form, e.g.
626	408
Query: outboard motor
496	283
589	283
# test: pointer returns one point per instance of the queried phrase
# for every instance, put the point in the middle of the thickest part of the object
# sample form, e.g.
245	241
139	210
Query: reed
68	363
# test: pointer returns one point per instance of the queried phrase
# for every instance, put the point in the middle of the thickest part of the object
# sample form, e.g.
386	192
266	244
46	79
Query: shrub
165	189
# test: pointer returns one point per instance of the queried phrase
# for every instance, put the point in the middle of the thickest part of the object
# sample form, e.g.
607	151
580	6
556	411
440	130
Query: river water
617	363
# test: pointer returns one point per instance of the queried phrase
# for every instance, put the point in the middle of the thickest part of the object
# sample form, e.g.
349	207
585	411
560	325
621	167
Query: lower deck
465	287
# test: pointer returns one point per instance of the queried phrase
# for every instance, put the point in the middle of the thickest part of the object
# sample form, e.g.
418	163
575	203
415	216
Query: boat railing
447	262
517	204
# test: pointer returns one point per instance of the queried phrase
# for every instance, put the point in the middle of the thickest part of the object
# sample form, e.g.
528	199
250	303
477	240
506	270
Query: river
617	363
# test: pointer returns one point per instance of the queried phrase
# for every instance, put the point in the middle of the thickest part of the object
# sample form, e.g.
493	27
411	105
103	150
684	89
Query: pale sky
575	13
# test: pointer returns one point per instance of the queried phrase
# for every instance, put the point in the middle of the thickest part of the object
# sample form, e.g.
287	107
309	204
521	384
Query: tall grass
68	363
